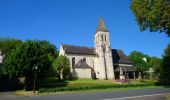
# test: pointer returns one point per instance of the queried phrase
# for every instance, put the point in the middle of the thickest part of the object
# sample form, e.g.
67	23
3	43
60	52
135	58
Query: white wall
83	72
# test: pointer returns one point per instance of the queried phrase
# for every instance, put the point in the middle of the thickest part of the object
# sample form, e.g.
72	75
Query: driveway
141	94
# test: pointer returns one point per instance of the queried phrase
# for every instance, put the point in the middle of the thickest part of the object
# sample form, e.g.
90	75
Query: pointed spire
101	25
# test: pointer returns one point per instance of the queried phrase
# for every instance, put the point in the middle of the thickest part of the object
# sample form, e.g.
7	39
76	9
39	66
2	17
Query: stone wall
82	73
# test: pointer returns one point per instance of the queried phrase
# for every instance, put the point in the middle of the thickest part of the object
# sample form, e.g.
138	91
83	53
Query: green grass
52	82
54	85
30	93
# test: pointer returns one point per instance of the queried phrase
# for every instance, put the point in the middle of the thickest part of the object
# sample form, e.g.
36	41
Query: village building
100	61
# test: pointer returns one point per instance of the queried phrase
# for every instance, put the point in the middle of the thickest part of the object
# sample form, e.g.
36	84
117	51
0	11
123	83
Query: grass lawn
30	93
53	83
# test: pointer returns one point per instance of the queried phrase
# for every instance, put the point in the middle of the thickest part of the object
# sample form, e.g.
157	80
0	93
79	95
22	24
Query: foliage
22	60
42	90
139	63
165	67
7	45
155	63
62	66
152	14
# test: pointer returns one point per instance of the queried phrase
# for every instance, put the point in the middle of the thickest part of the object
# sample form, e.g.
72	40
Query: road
141	94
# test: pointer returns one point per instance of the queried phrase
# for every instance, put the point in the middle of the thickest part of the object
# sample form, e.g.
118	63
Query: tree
155	63
152	14
62	66
7	45
165	67
22	60
139	63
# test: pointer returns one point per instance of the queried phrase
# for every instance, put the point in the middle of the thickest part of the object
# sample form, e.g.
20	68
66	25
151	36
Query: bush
42	90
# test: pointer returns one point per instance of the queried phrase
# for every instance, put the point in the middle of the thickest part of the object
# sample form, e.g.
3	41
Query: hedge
58	89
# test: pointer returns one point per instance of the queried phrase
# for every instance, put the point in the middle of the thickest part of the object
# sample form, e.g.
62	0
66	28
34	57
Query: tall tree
152	14
7	45
62	66
165	67
21	62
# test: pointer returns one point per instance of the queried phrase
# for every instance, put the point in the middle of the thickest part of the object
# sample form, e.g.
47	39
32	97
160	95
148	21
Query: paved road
143	94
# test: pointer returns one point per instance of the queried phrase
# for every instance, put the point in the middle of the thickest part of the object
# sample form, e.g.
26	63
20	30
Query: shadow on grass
54	83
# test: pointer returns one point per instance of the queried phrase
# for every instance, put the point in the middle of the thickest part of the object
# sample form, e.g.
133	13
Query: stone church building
101	61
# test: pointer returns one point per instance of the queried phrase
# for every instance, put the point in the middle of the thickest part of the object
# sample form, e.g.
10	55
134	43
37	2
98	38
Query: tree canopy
22	60
152	14
62	66
139	63
165	67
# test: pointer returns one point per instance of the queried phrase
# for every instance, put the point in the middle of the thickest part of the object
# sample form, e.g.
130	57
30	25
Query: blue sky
75	21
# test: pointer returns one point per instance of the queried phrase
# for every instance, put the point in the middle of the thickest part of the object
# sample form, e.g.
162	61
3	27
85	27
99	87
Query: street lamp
35	76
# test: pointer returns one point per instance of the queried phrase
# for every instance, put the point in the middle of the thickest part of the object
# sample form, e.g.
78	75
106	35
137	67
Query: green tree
62	66
155	63
139	63
22	60
165	67
7	45
152	14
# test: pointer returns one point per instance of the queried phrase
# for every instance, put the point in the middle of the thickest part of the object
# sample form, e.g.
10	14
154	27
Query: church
100	61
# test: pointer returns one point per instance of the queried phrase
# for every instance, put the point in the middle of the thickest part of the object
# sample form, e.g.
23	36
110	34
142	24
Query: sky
75	21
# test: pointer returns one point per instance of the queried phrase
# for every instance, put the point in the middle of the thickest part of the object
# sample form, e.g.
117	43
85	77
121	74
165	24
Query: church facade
100	61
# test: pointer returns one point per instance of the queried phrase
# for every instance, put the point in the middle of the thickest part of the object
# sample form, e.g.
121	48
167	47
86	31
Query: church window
73	62
102	37
84	59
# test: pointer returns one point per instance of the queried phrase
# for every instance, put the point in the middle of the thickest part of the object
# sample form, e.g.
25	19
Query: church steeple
101	25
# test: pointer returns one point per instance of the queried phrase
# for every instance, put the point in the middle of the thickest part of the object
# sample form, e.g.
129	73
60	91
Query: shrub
42	90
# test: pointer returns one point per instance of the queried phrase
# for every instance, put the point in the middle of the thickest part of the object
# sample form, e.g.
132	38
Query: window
73	62
102	37
105	37
84	59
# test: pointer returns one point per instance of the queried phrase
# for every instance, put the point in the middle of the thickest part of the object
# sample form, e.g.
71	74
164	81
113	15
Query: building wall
79	72
89	59
83	72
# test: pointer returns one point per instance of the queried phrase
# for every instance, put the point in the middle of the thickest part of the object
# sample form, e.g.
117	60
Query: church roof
120	57
128	69
81	64
71	49
101	25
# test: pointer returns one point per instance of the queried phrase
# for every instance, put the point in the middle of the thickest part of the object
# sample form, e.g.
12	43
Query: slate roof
71	49
81	64
101	26
120	57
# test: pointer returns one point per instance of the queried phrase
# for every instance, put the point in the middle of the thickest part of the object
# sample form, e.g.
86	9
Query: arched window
102	37
73	62
84	59
105	37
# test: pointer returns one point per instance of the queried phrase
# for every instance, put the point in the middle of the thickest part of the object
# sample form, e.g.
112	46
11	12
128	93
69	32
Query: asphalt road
141	94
